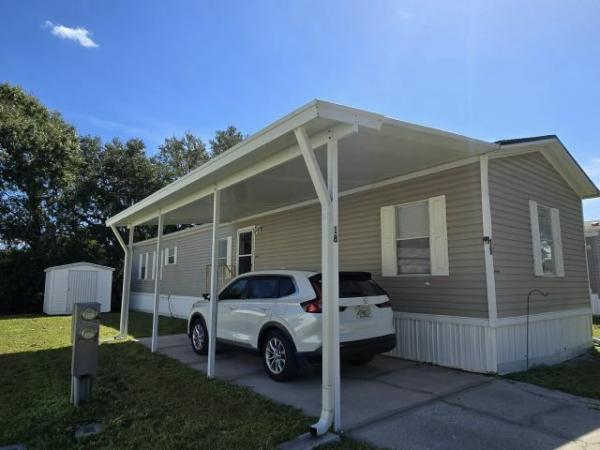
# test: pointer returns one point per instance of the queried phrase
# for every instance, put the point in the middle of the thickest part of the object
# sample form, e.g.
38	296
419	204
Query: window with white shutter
414	238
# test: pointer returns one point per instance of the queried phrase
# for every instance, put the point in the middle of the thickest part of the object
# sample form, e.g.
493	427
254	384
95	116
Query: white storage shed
77	282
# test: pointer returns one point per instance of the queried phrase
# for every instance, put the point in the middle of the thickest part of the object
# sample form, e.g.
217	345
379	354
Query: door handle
263	308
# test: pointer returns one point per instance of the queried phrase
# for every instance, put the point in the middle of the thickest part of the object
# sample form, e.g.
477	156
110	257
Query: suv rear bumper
363	347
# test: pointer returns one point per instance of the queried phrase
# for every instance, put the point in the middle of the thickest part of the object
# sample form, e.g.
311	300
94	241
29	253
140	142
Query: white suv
278	313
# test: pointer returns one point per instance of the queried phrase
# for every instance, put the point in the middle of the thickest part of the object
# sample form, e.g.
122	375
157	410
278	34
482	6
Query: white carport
315	154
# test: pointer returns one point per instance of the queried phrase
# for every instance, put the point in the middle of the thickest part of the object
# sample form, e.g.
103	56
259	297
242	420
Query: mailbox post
84	337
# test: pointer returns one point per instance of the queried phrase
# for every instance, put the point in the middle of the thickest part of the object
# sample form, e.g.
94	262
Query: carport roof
265	171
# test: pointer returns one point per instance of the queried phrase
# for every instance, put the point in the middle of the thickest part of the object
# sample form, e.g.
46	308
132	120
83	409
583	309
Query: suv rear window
354	284
359	288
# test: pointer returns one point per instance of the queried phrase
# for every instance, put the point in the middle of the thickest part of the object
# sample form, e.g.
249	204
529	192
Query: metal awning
372	149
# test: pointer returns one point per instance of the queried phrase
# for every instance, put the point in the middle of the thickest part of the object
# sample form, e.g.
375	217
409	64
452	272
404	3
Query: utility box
85	331
77	282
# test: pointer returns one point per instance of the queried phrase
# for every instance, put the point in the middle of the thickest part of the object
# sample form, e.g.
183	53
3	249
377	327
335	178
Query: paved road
396	403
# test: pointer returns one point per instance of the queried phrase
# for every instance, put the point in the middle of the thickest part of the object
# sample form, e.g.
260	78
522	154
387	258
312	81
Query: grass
143	400
579	376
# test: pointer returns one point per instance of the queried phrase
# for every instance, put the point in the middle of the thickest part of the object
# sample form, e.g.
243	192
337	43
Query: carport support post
328	197
128	251
332	184
214	286
157	263
124	328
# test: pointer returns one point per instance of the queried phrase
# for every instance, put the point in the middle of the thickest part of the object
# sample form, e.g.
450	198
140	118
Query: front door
245	250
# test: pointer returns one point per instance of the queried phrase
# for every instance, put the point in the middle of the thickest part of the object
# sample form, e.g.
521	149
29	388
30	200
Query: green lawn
143	400
580	376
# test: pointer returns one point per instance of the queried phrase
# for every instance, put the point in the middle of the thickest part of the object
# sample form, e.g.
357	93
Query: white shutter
140	266
174	255
154	263
558	250
229	251
166	254
389	263
438	236
538	268
146	267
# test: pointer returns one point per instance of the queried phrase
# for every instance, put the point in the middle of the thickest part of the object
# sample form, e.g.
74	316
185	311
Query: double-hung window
547	240
414	238
170	256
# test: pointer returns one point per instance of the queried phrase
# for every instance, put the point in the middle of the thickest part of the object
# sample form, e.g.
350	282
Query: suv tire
279	356
199	336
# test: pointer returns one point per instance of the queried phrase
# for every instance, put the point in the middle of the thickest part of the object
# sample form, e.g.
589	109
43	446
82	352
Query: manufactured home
592	241
457	230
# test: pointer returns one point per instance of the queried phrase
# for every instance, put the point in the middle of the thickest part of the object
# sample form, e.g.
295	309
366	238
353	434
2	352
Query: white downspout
329	267
214	287
128	250
157	285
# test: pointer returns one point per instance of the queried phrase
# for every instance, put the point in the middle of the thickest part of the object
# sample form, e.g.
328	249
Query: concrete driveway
396	403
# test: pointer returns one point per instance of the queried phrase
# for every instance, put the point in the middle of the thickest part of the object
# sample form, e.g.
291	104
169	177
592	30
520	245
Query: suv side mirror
206	296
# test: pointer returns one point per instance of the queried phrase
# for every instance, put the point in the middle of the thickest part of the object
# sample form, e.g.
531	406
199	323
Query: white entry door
82	287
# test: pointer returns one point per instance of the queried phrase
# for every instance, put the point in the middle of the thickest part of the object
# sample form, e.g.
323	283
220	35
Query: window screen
546	239
412	239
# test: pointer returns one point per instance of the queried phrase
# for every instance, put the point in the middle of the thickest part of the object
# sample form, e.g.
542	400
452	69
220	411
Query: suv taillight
314	305
387	304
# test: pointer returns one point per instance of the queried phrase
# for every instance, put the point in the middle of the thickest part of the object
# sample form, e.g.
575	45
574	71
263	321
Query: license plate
363	312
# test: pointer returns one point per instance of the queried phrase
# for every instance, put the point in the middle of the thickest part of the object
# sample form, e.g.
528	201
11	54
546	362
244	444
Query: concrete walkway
396	403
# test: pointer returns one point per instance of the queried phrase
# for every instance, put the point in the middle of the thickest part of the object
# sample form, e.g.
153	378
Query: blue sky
153	69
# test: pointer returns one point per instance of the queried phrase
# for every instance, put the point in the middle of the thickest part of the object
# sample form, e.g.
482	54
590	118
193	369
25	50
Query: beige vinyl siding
292	240
514	181
188	276
593	249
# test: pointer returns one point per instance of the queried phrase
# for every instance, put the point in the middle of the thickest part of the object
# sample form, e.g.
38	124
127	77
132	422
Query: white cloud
78	34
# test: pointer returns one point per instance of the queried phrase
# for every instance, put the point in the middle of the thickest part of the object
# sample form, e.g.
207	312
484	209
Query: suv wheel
279	357
199	336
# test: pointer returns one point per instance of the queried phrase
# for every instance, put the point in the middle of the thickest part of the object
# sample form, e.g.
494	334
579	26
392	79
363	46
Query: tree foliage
39	153
178	156
224	140
57	189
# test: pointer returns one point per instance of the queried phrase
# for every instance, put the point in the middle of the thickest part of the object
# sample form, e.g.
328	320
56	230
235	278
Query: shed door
82	287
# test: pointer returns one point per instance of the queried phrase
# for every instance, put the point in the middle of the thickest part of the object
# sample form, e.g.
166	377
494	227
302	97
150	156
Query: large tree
224	140
178	156
39	157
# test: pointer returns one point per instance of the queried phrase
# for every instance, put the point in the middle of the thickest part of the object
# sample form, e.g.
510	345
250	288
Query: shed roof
79	264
